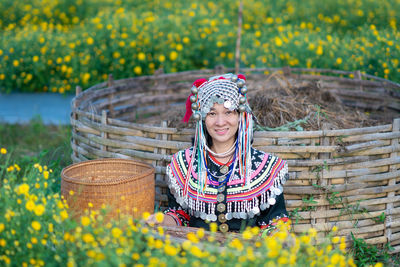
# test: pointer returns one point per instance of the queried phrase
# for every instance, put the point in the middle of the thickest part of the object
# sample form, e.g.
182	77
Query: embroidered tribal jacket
232	204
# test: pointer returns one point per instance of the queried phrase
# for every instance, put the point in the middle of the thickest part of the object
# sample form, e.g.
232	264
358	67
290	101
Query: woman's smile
222	125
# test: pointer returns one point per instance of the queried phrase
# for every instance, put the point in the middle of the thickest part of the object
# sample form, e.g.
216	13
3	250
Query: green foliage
55	45
36	228
367	254
35	141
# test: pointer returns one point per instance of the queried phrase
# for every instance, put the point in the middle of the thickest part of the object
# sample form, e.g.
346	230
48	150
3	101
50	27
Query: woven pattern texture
120	185
347	177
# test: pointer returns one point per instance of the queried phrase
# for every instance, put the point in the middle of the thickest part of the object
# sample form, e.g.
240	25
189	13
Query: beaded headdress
231	91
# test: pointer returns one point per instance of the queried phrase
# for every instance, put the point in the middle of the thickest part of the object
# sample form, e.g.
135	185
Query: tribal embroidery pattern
244	200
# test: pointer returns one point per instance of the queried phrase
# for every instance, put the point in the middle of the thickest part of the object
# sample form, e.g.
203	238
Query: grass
35	141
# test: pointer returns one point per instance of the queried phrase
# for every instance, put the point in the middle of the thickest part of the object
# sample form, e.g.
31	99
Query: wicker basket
349	178
123	186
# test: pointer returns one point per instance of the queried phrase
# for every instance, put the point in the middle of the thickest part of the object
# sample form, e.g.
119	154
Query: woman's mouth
221	131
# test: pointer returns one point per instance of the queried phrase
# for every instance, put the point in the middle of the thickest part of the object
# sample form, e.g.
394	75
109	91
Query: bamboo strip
306	215
300	149
395	142
362	146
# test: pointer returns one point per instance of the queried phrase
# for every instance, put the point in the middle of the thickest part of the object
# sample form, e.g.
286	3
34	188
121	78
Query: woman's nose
220	120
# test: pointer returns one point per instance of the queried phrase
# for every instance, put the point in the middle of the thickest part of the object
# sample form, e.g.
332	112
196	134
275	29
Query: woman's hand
167	220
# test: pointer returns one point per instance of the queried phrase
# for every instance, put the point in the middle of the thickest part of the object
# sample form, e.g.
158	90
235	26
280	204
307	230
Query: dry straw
348	178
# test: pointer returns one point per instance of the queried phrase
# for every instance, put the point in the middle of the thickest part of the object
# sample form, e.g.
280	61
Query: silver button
224	228
220	197
221	207
222	218
221	189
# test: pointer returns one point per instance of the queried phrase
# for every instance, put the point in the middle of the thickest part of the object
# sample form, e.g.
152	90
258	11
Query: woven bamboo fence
349	178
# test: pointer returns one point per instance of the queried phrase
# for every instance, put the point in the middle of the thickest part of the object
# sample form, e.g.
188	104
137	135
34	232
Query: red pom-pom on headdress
241	76
199	82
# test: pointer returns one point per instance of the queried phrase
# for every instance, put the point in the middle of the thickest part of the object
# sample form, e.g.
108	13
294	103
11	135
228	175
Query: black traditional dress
227	199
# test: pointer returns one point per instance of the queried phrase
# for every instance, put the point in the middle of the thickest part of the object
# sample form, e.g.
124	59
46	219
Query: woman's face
222	125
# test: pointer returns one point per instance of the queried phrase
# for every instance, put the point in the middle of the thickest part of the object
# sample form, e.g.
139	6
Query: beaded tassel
245	135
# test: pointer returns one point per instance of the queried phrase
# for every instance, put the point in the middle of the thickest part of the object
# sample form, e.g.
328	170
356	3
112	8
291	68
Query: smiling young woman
222	178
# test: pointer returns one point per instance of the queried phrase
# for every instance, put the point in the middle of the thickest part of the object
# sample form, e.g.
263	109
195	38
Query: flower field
55	45
36	229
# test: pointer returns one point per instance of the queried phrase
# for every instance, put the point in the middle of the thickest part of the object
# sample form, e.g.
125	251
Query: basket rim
65	177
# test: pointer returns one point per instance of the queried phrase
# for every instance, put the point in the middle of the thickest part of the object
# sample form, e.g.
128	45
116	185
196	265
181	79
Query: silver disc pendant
224	169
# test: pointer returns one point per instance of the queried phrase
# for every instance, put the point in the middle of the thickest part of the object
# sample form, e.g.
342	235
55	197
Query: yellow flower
36	225
312	232
16	63
320	50
46	175
3	151
200	233
1	227
305	239
186	40
192	237
335	239
247	234
196	251
23	189
278	41
170	250
88	238
89	41
159	217
3	242
30	205
282	260
137	70
161	58
235	243
135	256
85	221
338	61
141	56
116	232
64	215
173	55
213	227
39	210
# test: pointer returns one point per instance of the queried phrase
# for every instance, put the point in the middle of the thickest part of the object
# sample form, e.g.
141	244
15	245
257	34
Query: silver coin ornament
195	106
240	83
242	100
243	90
194	90
193	99
228	216
234	78
242	108
197	116
227	104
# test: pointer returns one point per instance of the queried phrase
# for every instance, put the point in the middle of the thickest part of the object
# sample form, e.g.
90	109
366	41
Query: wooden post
286	71
239	36
103	133
160	178
358	76
324	182
75	156
391	182
110	83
